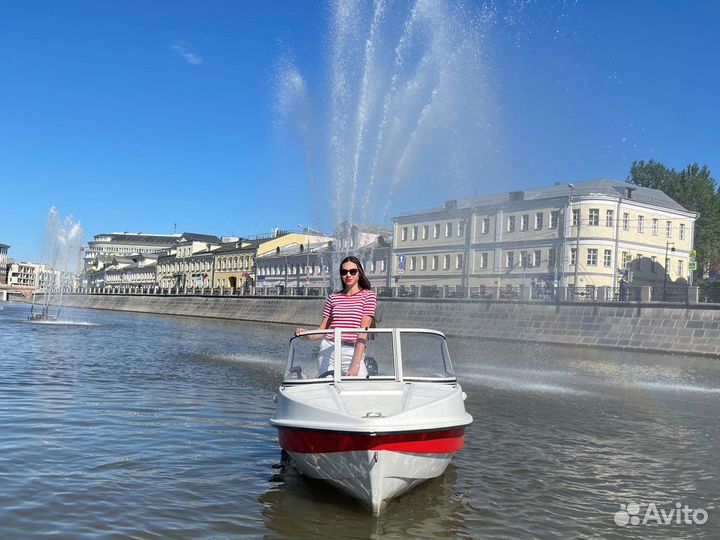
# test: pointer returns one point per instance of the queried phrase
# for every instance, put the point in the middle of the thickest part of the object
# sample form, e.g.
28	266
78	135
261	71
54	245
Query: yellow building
587	234
234	264
299	239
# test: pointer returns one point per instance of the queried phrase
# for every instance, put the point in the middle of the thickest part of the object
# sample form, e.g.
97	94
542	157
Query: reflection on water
140	426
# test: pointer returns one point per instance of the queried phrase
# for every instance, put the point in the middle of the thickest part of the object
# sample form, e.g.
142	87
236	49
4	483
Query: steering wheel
326	374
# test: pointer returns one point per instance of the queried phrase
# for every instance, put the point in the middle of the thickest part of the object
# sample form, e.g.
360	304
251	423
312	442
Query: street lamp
577	238
667	245
307	252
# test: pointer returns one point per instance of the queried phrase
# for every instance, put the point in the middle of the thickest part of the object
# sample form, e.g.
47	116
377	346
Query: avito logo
681	514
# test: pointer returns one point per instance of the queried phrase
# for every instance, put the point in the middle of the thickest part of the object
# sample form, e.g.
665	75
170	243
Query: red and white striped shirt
347	311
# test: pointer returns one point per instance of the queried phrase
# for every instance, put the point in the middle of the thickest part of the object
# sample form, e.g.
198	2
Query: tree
696	190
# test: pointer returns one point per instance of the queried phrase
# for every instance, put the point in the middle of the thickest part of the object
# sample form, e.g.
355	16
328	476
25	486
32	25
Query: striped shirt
347	311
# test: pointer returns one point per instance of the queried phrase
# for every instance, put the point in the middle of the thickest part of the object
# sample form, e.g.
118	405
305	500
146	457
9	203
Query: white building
585	235
101	250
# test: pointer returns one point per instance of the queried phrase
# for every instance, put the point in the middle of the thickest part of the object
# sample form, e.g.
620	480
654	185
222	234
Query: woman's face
350	274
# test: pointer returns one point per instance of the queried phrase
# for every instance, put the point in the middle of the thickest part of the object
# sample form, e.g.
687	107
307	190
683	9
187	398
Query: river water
121	425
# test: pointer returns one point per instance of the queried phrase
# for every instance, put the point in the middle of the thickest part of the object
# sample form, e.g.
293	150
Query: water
120	425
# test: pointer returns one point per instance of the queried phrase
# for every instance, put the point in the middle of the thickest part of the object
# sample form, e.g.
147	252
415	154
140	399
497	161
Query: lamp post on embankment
667	245
577	236
307	252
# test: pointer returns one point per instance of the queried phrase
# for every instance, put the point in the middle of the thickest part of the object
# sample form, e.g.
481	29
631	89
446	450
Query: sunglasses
345	272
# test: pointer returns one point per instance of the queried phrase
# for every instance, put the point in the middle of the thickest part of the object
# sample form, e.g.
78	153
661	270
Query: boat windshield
424	355
312	355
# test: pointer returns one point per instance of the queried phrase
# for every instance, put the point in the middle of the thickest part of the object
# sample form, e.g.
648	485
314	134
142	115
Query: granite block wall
687	329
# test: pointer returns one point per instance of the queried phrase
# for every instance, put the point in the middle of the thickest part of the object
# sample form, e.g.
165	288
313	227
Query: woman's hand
299	331
354	370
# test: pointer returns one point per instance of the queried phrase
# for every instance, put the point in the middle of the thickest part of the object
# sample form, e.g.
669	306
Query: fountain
63	236
405	110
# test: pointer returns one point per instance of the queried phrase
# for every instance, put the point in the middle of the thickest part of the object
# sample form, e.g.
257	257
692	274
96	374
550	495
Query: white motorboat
376	436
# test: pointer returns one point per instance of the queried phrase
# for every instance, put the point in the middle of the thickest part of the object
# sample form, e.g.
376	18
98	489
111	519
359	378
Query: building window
638	262
607	258
668	229
372	266
524	259
682	231
461	228
425	232
524	222
414	233
436	230
435	261
448	230
511	224
483	260
446	262
641	224
423	262
538	221
609	218
626	221
403	234
552	258
655	227
554	217
680	267
485	226
653	264
625	259
412	263
594	218
382	265
573	256
458	262
509	259
576	217
537	257
592	256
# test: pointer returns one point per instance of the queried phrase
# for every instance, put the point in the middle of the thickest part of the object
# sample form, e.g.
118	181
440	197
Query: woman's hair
363	281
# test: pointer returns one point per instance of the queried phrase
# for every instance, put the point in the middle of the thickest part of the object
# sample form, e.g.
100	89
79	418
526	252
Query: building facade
190	263
316	265
101	250
33	276
133	271
235	265
588	234
296	265
372	245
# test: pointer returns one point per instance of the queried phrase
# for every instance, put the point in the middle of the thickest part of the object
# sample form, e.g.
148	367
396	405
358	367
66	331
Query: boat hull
371	467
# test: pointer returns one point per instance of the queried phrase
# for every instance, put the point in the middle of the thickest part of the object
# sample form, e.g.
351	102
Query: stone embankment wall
687	329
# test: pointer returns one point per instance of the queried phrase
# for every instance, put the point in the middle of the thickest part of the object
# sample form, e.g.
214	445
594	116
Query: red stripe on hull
323	442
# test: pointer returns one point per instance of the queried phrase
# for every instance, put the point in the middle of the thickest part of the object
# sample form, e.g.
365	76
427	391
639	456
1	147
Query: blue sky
135	116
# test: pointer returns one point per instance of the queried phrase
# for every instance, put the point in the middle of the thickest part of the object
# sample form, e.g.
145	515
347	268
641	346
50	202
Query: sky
160	116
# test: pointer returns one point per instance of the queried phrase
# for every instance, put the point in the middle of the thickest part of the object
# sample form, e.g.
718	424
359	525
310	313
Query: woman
353	307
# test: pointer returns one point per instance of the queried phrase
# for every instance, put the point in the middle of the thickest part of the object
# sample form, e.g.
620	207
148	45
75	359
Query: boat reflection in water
374	437
436	508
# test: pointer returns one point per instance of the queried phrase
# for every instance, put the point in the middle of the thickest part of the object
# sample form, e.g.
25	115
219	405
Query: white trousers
326	358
